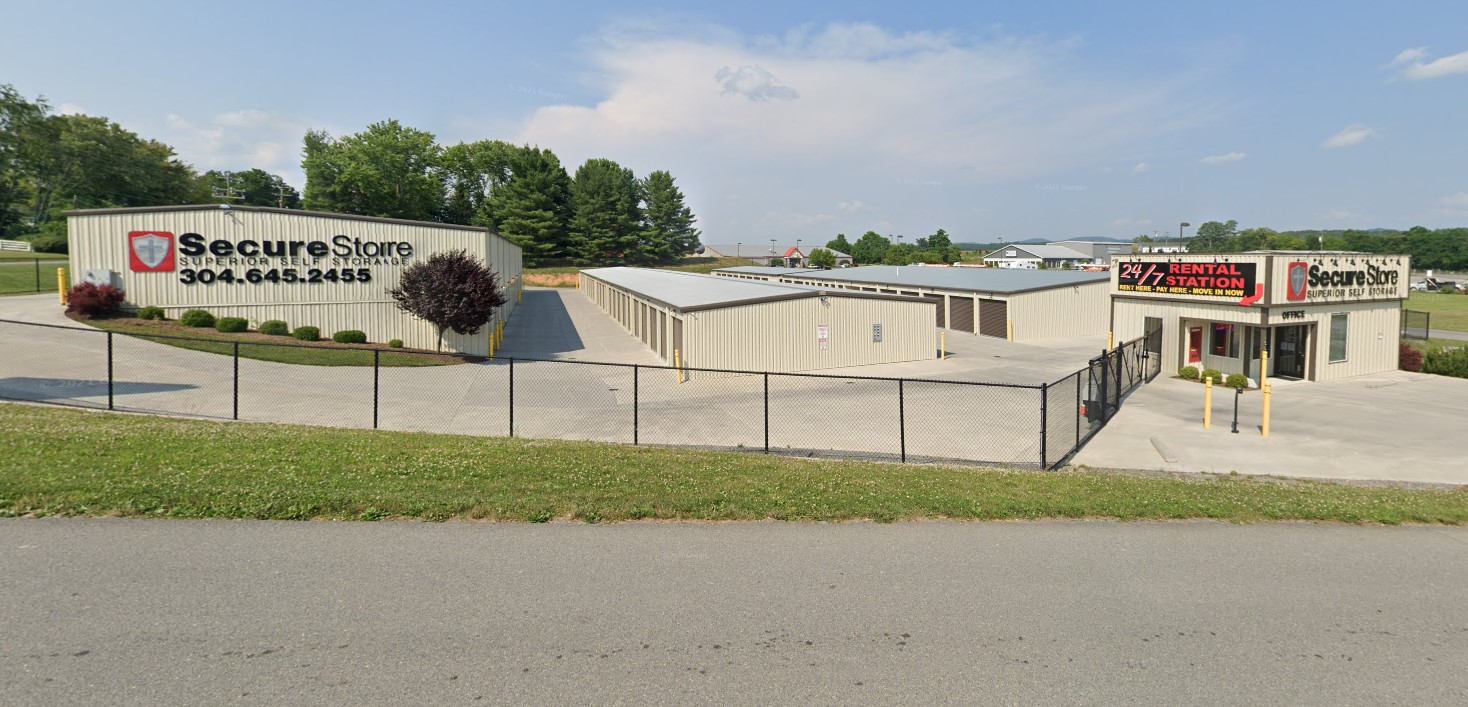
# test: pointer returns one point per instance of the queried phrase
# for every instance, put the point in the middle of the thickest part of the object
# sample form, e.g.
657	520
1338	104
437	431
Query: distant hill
1038	241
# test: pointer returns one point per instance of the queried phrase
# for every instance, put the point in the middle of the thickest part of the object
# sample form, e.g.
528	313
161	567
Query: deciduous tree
450	290
822	258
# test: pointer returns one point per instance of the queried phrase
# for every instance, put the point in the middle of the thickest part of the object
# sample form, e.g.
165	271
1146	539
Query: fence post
236	413
767	412
109	370
1044	423
38	275
512	397
635	370
376	367
901	420
1102	398
1079	415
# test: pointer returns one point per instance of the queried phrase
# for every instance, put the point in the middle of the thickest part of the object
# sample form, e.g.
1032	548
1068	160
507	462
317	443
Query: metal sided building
1320	315
702	321
306	268
1014	304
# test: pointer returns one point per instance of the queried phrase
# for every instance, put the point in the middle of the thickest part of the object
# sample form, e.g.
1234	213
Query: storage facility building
1014	304
306	268
702	321
1319	315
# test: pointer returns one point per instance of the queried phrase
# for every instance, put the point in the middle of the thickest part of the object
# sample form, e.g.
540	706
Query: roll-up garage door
994	318
963	314
937	300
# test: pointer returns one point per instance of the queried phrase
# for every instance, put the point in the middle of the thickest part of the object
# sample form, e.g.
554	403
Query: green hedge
350	336
1213	373
1188	373
1445	362
307	333
1237	380
232	325
395	343
197	318
275	327
152	313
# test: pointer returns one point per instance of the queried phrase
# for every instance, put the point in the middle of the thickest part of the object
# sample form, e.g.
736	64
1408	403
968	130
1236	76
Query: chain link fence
22	275
1416	325
812	415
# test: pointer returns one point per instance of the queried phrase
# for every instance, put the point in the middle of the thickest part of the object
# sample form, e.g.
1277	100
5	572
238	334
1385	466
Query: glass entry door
1289	352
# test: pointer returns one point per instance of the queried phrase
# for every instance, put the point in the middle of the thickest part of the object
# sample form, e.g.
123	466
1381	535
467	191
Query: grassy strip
63	461
31	255
1449	312
254	345
20	278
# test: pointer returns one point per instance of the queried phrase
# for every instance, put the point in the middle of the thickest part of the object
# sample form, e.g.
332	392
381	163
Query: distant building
794	256
1101	252
1033	256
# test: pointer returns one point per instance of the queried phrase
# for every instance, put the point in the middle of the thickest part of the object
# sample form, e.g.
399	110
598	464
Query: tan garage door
994	318
963	314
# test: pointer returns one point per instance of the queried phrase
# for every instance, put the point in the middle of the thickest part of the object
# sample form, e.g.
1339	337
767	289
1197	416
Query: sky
994	121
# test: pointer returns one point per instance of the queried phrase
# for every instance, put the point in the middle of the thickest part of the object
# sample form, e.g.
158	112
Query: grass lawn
75	462
30	255
1449	312
17	276
253	345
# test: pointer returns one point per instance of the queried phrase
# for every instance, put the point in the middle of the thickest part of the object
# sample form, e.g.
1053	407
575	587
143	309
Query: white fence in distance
21	246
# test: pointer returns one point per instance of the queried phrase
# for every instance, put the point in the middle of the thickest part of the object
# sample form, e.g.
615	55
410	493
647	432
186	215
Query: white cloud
793	220
239	140
1221	159
754	83
1142	167
865	106
1127	221
853	206
1459	199
1408	56
1353	134
1415	70
70	109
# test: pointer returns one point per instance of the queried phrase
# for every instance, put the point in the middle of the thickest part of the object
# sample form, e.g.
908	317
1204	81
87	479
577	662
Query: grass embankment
1448	312
567	276
19	276
260	347
62	461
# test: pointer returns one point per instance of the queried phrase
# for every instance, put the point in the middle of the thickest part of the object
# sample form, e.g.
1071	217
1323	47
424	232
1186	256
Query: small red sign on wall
150	251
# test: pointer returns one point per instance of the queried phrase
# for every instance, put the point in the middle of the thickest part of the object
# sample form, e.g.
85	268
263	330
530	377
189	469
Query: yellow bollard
1110	342
1264	428
1263	365
943	343
61	283
1208	402
678	365
1011	330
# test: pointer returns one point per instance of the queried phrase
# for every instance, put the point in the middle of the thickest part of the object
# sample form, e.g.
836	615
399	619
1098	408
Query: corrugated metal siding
99	241
994	318
961	313
1079	310
1373	340
782	336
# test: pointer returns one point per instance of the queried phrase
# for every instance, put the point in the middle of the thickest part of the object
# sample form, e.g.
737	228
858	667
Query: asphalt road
185	612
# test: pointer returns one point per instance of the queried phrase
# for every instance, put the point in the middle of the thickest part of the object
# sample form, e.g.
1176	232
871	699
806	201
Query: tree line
602	215
873	248
1443	248
50	163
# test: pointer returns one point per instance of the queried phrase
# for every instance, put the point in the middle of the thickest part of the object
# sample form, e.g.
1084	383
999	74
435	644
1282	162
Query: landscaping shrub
232	325
1237	380
1447	290
94	302
1446	362
1188	373
196	318
395	343
350	336
1409	358
1214	374
307	333
275	327
152	313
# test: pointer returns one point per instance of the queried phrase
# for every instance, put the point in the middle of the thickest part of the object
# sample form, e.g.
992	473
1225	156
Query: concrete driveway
1396	426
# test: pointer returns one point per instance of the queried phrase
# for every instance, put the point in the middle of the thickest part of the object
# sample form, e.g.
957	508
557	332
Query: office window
1338	337
1225	341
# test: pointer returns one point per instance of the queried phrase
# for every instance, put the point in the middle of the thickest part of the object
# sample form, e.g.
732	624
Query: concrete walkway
1394	426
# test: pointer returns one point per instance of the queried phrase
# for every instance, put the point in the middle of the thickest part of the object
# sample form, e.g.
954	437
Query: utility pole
227	191
280	194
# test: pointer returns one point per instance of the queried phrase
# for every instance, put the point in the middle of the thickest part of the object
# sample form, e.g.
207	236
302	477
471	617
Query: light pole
1180	228
797	249
737	248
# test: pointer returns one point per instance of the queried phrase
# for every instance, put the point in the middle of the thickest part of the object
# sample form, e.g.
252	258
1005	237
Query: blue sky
1037	119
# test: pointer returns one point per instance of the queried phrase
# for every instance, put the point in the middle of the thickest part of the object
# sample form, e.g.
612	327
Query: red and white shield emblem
150	251
1298	277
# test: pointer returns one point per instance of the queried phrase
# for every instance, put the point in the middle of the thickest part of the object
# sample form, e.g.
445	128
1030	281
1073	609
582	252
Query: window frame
1345	338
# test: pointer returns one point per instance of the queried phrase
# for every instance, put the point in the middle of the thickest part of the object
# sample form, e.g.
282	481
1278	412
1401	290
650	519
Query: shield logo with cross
150	251
1298	272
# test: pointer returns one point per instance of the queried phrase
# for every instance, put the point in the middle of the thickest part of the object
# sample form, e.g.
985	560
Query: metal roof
269	210
762	270
691	291
995	280
762	250
1044	252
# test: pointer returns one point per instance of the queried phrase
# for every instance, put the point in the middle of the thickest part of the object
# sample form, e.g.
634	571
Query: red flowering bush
93	301
1409	359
